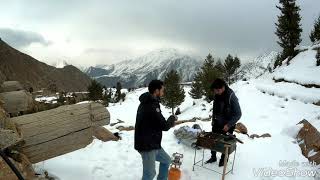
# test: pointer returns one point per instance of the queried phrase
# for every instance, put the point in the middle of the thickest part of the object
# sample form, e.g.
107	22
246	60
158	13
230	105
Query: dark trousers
217	129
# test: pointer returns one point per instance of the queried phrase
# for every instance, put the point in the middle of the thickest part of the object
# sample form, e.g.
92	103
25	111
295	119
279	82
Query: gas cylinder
174	171
174	174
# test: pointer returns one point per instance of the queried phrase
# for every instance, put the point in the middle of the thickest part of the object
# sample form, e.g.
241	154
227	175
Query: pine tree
231	65
208	74
220	67
315	32
288	29
118	92
229	69
174	93
123	96
95	91
105	97
318	57
278	61
62	98
196	88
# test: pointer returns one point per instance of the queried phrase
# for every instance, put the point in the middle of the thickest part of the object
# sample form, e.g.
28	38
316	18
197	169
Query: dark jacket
150	123
226	109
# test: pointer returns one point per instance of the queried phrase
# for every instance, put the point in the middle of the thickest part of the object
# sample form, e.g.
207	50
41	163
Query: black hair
218	84
154	85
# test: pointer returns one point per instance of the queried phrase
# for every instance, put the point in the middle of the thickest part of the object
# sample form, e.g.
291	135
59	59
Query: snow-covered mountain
153	65
258	66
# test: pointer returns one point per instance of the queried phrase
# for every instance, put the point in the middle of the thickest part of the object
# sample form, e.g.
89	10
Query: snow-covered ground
267	107
262	113
302	68
47	99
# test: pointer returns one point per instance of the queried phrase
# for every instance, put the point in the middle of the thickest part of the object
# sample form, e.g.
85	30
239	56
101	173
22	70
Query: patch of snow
302	69
312	153
289	90
292	131
60	64
47	99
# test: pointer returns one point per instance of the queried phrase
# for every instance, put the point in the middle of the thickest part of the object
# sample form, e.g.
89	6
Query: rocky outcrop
309	141
8	86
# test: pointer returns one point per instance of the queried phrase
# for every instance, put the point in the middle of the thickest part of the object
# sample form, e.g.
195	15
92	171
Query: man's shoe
221	162
211	160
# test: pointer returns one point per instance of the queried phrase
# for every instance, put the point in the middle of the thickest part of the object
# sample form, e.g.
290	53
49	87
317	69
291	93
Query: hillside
258	66
153	65
15	65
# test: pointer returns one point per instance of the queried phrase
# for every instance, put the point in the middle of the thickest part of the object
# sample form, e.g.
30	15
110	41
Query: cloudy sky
89	32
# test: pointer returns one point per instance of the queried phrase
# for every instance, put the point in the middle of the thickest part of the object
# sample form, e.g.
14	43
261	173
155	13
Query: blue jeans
149	159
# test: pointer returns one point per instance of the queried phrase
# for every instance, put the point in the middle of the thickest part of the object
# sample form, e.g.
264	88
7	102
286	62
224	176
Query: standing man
148	132
226	113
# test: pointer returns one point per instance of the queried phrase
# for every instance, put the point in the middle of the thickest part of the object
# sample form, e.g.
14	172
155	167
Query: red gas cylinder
174	171
174	174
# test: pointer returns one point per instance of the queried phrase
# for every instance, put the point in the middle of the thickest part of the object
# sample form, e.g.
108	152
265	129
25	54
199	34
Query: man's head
218	86
156	88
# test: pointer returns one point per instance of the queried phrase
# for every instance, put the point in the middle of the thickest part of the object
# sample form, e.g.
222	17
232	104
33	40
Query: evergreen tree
62	98
174	92
196	88
118	92
220	67
315	32
318	57
288	29
208	74
123	96
105	97
95	91
230	66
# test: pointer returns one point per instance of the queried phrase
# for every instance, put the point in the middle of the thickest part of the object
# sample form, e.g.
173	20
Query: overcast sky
90	32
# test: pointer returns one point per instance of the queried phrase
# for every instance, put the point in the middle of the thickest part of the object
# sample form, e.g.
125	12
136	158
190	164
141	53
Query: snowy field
267	107
262	113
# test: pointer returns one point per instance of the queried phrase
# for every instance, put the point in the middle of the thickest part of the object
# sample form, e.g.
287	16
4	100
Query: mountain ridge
34	74
153	65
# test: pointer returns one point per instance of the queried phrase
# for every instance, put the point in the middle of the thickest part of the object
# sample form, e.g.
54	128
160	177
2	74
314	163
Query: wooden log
51	133
104	134
125	128
16	101
184	121
59	146
9	86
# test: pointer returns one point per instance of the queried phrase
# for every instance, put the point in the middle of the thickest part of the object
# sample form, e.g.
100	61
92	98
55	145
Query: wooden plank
59	146
103	122
51	120
58	131
53	113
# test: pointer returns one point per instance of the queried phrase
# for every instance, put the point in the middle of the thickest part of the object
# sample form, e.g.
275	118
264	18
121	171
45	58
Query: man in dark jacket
226	113
148	132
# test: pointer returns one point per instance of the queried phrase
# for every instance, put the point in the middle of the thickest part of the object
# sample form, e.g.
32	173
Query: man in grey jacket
226	113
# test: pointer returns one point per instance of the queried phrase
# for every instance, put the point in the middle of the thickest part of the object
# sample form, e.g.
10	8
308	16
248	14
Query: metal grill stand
222	146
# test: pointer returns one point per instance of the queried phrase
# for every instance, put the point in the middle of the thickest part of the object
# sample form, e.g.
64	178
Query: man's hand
226	128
